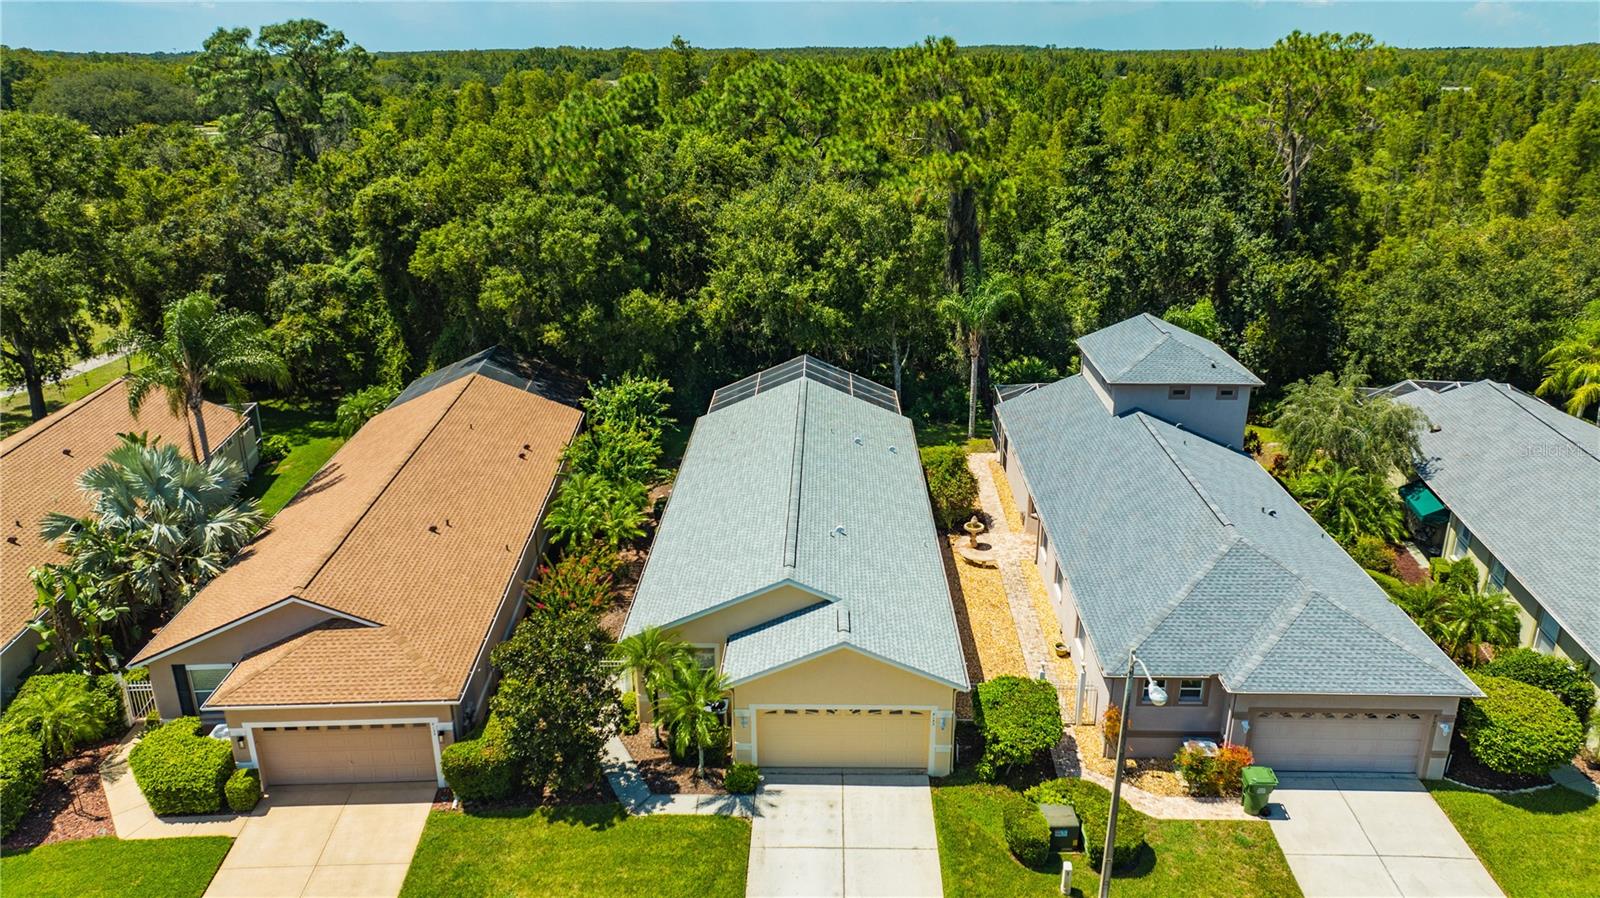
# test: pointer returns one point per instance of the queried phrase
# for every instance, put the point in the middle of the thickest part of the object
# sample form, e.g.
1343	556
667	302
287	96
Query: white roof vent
838	530
858	440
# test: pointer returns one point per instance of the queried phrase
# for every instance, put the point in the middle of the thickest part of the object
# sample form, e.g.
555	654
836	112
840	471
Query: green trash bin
1258	785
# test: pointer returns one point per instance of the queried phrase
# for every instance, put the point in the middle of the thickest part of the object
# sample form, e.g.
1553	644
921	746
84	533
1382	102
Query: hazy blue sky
456	24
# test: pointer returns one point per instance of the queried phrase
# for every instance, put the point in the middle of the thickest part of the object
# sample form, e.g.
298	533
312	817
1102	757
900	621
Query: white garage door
842	737
1371	741
345	754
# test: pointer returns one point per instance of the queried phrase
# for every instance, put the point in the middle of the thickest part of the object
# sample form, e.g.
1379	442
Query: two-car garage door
1374	741
842	737
345	754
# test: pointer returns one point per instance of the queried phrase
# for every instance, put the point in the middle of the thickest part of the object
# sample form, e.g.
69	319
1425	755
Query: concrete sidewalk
622	774
131	814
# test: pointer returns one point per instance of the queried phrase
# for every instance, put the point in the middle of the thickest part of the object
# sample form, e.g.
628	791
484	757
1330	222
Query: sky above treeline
473	24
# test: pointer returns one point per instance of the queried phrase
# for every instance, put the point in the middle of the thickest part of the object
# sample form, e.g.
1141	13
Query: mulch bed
663	775
1465	769
527	798
1407	568
71	805
1589	767
624	584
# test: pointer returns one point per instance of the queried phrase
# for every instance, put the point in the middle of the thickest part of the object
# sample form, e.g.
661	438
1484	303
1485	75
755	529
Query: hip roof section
1146	350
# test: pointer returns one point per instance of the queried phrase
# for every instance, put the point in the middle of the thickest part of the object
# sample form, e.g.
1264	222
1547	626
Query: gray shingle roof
1146	350
766	482
1194	555
1525	478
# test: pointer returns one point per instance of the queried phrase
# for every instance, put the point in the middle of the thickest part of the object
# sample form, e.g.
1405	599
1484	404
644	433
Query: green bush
1374	554
243	790
21	777
950	483
181	771
274	449
1018	718
1558	676
630	713
1517	728
479	769
66	710
1093	805
1027	833
103	691
742	779
360	407
717	749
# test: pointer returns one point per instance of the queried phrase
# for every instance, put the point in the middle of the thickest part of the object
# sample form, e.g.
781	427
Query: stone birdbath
973	528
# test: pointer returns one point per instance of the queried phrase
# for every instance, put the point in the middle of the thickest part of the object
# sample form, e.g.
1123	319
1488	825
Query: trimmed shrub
181	771
21	777
1517	728
1372	553
479	769
950	483
274	449
243	790
1093	805
742	779
1218	774
630	713
1018	718
1557	676
1027	833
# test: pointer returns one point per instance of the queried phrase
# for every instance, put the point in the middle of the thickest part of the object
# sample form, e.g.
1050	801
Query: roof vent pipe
858	440
838	530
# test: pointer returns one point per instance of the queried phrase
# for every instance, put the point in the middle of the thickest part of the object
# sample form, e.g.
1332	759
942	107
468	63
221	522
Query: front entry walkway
1368	836
350	840
821	834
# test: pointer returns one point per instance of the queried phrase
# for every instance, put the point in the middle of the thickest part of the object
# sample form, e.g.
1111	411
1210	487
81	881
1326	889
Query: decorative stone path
637	799
1015	553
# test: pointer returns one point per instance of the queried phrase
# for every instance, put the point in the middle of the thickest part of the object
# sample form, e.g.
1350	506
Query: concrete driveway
1365	836
354	841
822	834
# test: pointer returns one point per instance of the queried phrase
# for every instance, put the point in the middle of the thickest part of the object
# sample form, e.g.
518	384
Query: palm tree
1473	618
1349	503
1572	368
652	654
688	709
60	713
75	620
590	507
203	346
973	310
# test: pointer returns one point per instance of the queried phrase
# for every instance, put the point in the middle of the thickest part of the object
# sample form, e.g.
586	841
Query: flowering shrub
1213	774
1111	724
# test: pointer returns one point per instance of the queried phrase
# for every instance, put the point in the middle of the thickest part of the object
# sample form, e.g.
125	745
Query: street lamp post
1158	697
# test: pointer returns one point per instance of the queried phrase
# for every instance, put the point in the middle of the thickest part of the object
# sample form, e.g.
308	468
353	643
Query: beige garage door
1373	741
345	754
842	737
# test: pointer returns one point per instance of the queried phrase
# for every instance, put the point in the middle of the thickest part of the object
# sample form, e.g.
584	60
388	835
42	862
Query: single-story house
39	470
1514	483
798	554
1157	537
350	641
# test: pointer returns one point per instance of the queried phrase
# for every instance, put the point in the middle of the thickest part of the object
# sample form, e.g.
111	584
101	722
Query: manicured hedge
1093	805
478	769
742	779
1558	676
243	790
181	771
21	776
1027	833
1018	718
1517	728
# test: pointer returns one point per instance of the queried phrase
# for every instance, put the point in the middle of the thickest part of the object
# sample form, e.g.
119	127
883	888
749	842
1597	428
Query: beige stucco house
351	640
798	554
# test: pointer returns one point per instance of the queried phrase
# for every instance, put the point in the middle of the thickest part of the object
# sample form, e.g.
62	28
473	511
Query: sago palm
652	654
1473	618
973	310
686	709
203	346
1572	369
61	714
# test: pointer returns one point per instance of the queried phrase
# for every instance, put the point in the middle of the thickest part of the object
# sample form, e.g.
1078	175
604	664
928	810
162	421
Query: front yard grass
315	435
111	867
1185	857
579	850
1543	843
14	408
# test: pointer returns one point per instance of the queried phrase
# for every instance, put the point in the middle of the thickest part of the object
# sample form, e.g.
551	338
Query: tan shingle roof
416	524
39	469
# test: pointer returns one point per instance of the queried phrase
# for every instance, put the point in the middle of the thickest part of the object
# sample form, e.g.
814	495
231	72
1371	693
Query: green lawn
146	868
955	434
14	409
1186	857
583	850
315	436
1544	843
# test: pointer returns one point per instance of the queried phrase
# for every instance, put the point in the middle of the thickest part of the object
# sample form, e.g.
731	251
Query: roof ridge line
797	462
50	421
1281	619
1184	470
1451	670
1186	589
1165	337
1524	409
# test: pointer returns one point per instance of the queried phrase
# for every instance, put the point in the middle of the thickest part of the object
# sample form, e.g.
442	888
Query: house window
204	680
1497	576
1044	543
1549	632
705	656
1190	692
1463	541
1177	392
1227	392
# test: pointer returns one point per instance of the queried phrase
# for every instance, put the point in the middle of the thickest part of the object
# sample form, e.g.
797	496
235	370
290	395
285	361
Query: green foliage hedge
1018	718
104	694
1557	676
1093	805
1374	554
479	769
1517	728
181	771
243	790
742	779
630	713
950	483
21	776
1027	832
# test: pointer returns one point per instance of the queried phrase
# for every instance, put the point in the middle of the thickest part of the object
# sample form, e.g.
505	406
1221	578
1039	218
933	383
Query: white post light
1158	697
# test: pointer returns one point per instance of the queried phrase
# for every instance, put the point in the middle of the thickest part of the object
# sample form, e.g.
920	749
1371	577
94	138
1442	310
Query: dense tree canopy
698	214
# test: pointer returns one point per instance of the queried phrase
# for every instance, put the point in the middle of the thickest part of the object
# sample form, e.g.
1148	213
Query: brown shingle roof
417	524
39	469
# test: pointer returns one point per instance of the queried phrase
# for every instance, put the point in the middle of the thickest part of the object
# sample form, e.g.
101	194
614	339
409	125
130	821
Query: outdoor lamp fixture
1158	697
1444	727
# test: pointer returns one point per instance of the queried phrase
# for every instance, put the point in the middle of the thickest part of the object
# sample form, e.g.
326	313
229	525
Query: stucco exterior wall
1158	731
1204	412
716	627
228	647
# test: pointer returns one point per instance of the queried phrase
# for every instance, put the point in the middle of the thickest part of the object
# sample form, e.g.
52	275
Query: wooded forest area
701	214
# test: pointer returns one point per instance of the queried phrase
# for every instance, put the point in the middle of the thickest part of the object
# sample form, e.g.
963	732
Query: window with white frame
1549	633
1463	541
1177	392
1497	576
705	656
204	680
1060	581
1189	692
1227	392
